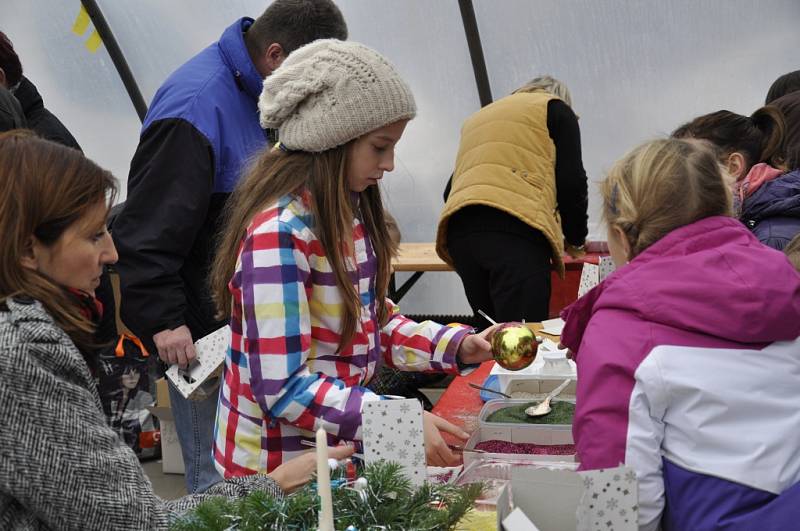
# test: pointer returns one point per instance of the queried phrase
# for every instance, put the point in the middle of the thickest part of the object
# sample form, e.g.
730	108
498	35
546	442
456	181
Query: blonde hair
547	84
663	185
792	252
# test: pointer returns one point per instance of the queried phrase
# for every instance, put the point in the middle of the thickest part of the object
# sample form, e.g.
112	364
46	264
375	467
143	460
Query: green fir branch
392	504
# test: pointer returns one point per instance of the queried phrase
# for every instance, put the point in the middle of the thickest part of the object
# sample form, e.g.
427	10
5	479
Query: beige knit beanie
329	92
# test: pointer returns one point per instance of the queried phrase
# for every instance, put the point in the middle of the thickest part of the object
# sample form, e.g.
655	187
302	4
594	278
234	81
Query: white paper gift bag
593	275
392	431
201	378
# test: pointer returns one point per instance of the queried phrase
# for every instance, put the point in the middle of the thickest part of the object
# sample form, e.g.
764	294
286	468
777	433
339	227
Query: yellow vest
507	160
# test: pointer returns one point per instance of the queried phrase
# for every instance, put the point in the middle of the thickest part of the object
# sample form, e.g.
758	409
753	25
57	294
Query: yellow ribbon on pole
81	22
81	25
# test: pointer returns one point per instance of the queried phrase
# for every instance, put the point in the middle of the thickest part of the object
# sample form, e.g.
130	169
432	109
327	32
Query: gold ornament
514	346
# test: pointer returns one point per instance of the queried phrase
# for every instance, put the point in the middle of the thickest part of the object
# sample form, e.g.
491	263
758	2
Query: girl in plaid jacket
304	263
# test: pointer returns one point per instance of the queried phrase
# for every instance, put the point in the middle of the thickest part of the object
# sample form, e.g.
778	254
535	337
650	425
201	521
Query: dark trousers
506	273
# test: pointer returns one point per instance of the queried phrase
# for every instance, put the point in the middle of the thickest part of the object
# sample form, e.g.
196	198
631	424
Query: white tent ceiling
636	69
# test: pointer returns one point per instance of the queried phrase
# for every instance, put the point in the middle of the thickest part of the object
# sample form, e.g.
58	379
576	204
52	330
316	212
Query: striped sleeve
277	328
422	347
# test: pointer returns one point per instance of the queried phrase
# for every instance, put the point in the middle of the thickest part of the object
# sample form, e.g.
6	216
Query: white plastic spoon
543	408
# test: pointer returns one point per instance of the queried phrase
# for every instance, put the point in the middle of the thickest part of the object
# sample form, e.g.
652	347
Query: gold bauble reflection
514	346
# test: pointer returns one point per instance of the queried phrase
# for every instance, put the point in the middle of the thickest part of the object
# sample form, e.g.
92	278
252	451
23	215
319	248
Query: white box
562	500
497	473
542	376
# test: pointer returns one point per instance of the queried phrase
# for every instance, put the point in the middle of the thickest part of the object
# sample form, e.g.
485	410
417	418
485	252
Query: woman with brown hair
61	465
743	144
304	263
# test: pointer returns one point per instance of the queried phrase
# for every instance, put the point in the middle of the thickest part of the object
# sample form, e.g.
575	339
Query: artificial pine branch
392	503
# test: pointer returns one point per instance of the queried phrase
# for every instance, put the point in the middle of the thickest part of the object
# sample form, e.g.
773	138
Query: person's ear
30	255
274	56
623	242
3	78
736	165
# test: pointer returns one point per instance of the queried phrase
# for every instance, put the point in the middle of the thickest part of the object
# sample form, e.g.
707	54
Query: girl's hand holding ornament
477	348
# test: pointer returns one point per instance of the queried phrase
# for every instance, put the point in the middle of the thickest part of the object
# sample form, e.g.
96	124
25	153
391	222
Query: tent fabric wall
80	87
636	69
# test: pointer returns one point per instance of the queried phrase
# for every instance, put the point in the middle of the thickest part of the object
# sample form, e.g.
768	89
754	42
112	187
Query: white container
539	387
487	434
522	433
517	433
548	370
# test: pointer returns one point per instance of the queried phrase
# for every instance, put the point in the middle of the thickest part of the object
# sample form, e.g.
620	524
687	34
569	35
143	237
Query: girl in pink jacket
688	355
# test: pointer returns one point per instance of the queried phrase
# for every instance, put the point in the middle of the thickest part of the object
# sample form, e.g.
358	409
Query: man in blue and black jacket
201	128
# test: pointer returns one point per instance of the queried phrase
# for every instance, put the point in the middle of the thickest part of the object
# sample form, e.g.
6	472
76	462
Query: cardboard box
562	500
171	455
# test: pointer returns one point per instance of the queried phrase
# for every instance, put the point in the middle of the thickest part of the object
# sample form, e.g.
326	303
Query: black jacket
165	233
11	115
200	130
39	118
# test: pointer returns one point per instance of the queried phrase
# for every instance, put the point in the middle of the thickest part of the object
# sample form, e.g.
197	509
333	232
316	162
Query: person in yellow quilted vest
516	202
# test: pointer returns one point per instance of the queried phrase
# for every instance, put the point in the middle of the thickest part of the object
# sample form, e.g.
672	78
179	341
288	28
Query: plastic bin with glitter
545	434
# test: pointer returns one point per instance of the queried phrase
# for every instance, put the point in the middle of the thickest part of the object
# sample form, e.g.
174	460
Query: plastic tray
522	433
517	433
540	385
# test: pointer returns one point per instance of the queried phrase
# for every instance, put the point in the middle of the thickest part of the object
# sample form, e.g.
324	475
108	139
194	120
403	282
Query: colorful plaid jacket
283	378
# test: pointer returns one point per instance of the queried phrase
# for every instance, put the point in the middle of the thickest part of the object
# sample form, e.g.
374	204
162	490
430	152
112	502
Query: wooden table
419	258
416	258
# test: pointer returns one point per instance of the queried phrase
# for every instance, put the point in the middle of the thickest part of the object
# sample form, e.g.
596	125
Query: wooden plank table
419	258
416	258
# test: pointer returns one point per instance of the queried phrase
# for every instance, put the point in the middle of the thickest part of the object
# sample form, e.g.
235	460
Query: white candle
324	483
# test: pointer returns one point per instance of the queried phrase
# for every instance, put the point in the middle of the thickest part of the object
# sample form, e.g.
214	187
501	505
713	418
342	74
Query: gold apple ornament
514	346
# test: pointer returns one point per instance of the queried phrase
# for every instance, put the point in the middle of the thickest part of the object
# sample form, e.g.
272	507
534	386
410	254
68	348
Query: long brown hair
275	173
45	188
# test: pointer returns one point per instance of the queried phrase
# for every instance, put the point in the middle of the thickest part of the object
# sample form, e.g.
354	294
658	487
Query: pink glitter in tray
504	447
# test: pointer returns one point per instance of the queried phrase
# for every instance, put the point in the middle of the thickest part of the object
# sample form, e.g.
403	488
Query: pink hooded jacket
689	372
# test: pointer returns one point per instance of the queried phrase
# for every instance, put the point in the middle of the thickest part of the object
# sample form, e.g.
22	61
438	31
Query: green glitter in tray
562	413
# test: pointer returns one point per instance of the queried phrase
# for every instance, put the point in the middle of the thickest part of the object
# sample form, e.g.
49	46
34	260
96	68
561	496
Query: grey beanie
329	92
